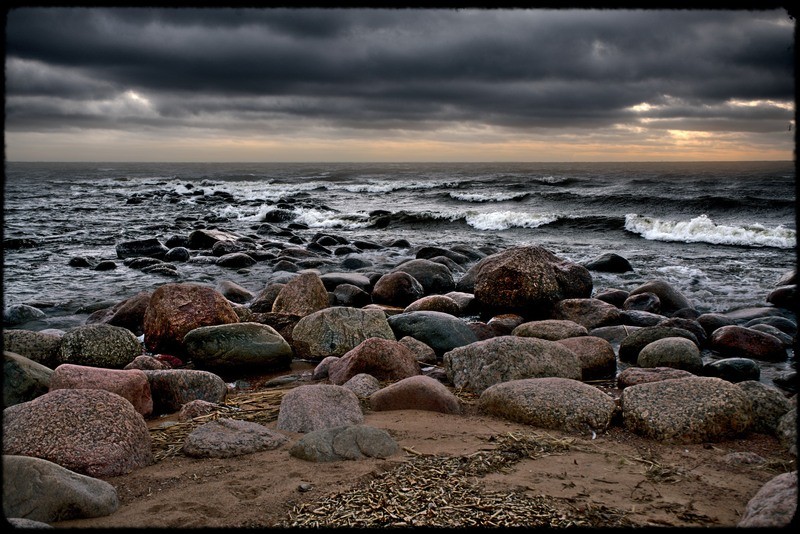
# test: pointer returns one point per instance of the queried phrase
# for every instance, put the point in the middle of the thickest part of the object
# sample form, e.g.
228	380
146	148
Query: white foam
487	197
703	230
503	220
387	186
316	218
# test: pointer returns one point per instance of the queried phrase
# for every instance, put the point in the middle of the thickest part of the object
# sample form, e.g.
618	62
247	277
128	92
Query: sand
549	478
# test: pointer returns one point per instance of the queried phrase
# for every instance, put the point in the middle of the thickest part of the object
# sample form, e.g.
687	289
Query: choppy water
722	233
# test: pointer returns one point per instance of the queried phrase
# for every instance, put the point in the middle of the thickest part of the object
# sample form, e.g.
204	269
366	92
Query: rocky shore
518	336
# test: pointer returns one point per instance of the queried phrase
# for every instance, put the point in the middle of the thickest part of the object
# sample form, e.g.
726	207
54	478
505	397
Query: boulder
645	301
588	312
99	345
687	410
482	364
224	438
335	331
438	303
236	260
90	431
640	318
595	354
205	239
615	297
634	342
129	384
353	442
173	388
434	277
177	309
303	295
127	314
41	347
557	403
769	406
638	375
397	289
774	505
18	314
742	342
234	292
504	325
422	352
239	346
351	296
385	359
23	379
609	263
312	407
670	298
783	297
151	248
40	490
416	393
334	279
676	352
440	331
787	431
733	369
527	280
712	321
363	385
266	298
551	329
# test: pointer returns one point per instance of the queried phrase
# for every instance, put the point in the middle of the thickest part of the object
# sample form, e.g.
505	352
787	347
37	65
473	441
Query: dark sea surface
721	233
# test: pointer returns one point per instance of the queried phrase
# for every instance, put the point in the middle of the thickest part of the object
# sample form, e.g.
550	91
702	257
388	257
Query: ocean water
721	233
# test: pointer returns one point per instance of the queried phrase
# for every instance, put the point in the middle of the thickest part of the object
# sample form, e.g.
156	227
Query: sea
722	233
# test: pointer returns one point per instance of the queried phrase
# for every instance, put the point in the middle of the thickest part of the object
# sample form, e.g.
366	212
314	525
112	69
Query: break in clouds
289	70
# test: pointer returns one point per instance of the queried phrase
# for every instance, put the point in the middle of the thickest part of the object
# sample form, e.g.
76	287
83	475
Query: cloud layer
448	75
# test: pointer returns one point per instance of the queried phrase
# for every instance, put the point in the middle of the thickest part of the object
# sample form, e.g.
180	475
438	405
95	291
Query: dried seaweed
444	491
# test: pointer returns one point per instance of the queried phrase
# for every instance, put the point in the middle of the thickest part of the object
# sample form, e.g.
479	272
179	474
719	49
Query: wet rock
434	278
733	369
397	289
301	296
440	331
631	345
609	263
151	248
742	342
18	314
237	346
671	299
438	303
648	302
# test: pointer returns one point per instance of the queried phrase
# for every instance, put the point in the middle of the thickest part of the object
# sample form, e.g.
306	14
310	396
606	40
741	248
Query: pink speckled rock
90	431
131	384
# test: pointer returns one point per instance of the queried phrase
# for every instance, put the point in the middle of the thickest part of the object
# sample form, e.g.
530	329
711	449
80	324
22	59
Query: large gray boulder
687	410
440	331
677	352
23	379
225	438
769	406
353	442
527	280
434	277
316	406
90	431
335	331
482	364
237	346
41	347
558	403
100	345
40	490
638	339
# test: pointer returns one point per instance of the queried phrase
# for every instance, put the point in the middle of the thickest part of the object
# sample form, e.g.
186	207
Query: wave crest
703	230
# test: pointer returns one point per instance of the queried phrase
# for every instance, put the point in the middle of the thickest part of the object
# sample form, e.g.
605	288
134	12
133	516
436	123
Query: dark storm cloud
405	69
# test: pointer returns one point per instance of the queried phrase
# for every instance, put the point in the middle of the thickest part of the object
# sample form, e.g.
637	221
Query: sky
347	84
